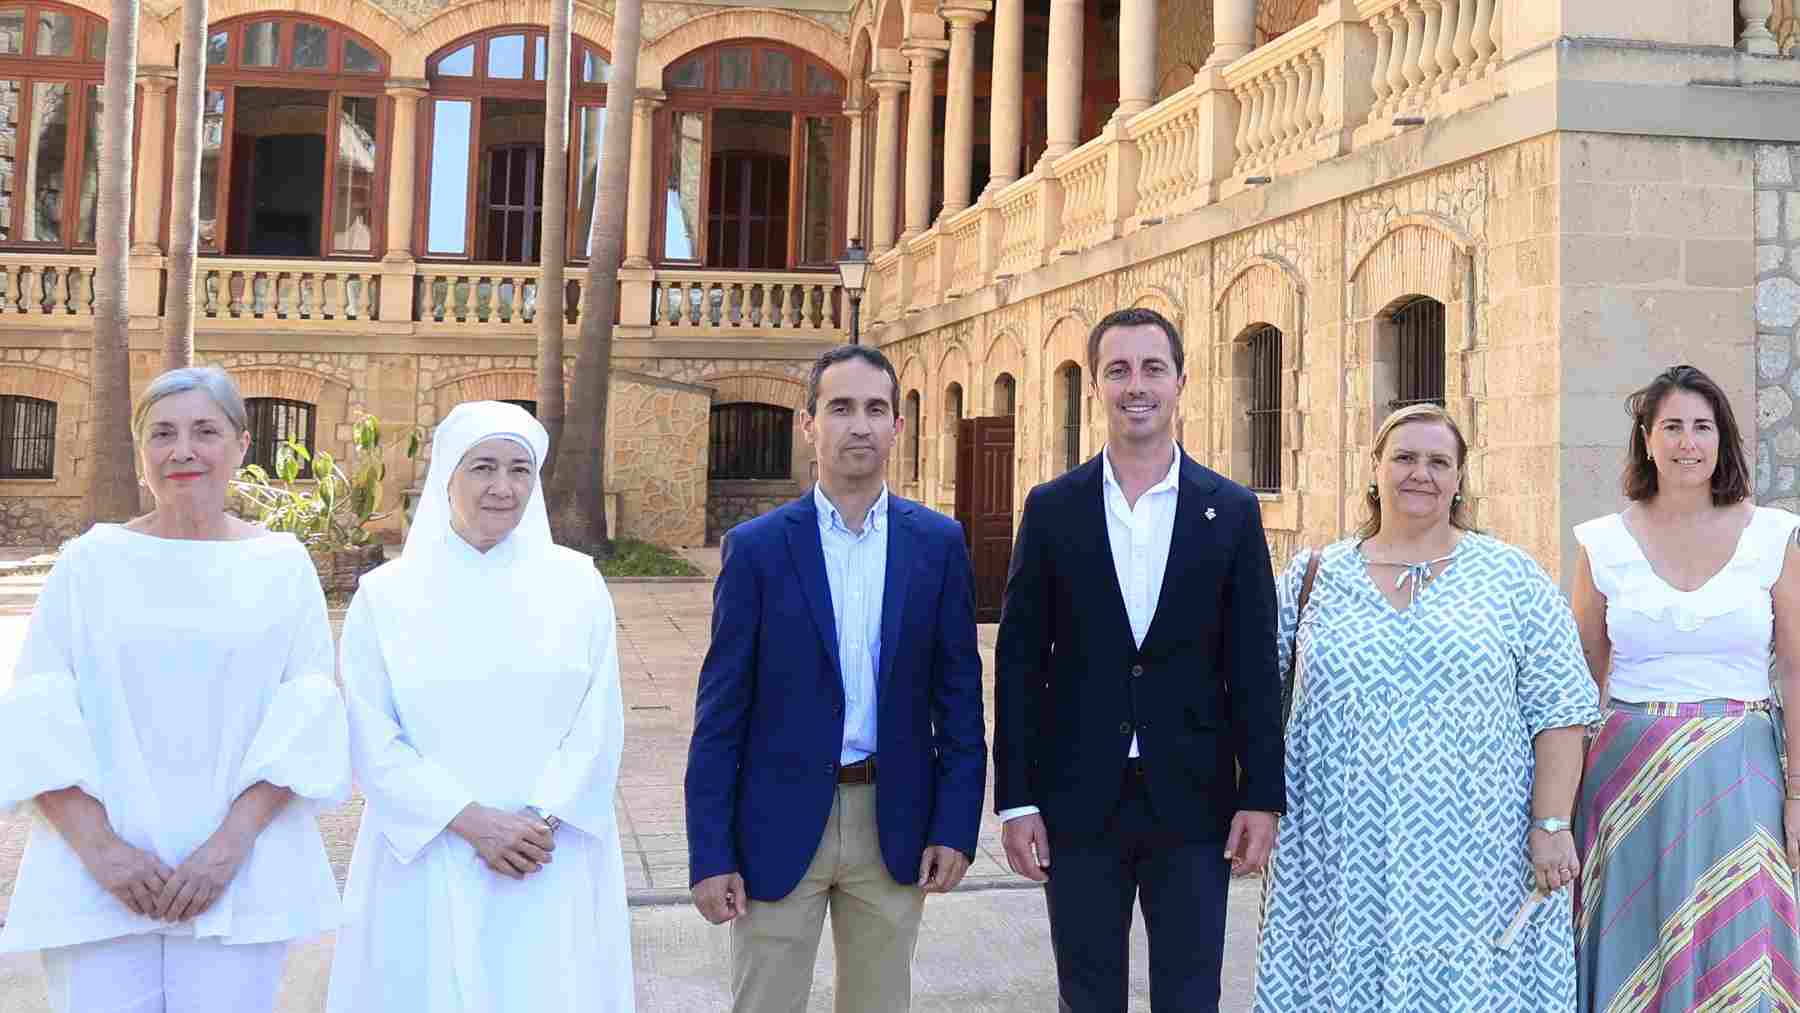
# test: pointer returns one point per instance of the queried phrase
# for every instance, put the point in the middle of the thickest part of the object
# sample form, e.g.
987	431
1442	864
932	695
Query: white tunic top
164	677
1676	646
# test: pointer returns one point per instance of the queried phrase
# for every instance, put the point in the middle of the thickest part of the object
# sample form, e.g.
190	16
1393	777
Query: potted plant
332	512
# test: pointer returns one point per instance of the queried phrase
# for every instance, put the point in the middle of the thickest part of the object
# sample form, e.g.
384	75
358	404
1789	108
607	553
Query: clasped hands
148	887
1247	846
513	844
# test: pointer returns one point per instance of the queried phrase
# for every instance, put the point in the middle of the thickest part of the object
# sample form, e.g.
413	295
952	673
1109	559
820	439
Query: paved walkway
985	947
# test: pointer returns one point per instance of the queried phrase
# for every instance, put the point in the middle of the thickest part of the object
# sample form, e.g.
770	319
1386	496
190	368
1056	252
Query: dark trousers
1182	886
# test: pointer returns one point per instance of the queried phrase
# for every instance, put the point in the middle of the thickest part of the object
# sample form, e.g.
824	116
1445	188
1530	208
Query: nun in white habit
482	674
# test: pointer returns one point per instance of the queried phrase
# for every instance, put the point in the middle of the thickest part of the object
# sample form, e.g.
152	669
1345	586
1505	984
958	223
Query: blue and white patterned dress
1402	856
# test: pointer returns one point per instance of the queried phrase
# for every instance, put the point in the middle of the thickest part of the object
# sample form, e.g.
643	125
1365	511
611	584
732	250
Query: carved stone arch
71	394
1260	292
1392	261
890	23
42	382
1065	344
289	382
759	23
361	17
1160	299
757	387
1005	357
1261	289
410	54
486	385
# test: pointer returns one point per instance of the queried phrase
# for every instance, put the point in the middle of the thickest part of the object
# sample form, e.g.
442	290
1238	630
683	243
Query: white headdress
431	536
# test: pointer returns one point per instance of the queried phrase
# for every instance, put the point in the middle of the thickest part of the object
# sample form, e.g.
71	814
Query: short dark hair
1731	474
1137	316
845	353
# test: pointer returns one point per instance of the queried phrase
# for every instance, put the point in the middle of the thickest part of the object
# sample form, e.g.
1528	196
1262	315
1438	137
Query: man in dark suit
838	758
1137	724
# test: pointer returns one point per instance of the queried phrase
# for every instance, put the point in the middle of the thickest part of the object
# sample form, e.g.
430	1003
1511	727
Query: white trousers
153	973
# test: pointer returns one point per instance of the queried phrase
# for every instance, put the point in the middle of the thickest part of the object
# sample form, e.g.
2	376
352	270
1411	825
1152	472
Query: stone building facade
1517	207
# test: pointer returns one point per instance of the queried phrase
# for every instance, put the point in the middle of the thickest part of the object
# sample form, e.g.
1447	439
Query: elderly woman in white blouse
174	723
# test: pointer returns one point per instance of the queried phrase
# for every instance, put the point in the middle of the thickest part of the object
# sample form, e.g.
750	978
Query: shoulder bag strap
1287	690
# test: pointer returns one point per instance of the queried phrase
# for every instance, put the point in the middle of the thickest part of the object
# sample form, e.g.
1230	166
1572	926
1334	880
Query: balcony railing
51	288
747	302
317	292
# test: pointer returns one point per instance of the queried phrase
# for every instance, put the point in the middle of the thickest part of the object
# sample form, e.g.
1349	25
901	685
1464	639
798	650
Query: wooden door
965	482
990	498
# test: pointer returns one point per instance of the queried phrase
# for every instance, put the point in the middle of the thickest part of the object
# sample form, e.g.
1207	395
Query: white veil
431	537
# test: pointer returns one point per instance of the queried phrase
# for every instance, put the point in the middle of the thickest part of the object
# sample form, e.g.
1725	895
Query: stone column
638	201
1137	57
1006	126
152	172
853	202
1234	30
1064	120
888	88
404	158
921	56
959	109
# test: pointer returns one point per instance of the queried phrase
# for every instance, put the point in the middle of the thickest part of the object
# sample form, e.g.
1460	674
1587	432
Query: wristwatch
1551	825
550	821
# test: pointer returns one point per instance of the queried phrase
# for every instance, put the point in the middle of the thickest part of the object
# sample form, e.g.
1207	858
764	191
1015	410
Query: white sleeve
414	797
45	742
303	742
578	781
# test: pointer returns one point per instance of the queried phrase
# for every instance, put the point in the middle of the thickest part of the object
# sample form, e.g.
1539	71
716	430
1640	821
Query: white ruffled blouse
164	677
1676	646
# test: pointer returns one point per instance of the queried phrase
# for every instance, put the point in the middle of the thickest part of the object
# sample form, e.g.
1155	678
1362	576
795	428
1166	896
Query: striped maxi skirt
1686	901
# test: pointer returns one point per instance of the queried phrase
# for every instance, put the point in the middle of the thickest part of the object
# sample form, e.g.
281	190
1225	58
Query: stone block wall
1777	325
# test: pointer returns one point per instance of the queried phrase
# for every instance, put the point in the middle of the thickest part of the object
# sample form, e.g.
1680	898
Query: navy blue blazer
1202	694
769	718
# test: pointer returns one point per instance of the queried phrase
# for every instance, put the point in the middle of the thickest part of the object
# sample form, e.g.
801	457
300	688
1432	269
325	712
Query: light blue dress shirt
856	568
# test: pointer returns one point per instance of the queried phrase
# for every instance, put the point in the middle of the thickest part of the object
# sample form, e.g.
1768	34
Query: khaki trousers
874	921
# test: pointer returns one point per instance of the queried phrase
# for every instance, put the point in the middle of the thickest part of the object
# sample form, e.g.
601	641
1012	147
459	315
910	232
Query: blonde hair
1413	415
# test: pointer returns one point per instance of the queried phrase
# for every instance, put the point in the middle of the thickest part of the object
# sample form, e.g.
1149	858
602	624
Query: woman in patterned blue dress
1440	699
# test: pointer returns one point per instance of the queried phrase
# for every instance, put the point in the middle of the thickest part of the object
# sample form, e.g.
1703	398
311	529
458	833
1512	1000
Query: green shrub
632	558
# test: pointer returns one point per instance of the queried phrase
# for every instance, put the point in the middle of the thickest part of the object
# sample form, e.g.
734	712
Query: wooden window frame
11	405
710	99
331	79
76	72
1420	353
779	425
473	88
259	411
1264	413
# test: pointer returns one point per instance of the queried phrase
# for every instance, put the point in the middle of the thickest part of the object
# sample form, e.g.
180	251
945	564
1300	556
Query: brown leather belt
860	772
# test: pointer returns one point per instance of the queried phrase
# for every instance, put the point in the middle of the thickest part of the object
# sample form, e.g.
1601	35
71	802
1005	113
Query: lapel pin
1211	513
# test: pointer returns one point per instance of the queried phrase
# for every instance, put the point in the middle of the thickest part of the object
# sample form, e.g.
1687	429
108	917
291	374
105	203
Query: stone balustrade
964	264
805	304
1083	174
1426	49
489	296
1280	91
1168	141
923	251
46	286
1021	210
292	290
883	299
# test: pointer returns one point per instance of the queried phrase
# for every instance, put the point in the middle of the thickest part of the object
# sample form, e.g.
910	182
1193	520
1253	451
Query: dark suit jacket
1202	694
769	719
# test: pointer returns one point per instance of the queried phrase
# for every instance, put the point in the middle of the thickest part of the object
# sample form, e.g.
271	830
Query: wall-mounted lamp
1409	121
1258	180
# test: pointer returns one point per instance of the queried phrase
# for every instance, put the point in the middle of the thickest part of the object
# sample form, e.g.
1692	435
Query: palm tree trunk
578	503
553	251
184	231
112	481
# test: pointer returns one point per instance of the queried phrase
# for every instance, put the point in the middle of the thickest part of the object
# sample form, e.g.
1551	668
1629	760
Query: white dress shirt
1139	535
856	568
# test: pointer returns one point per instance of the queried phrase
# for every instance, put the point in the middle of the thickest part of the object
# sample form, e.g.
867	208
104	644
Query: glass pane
358	60
55	34
734	69
816	207
594	68
689	73
506	57
681	232
96	51
778	73
590	124
458	64
89	180
311	50
212	143
12	30
218	49
447	208
353	180
262	44
818	82
541	57
44	161
9	140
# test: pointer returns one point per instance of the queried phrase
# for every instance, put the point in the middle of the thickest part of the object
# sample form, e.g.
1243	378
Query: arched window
273	422
751	441
1419	347
953	413
751	158
484	150
1263	346
1005	395
27	437
52	60
1069	398
293	160
912	436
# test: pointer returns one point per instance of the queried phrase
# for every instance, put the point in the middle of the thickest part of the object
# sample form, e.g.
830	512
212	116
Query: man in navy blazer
838	758
1137	725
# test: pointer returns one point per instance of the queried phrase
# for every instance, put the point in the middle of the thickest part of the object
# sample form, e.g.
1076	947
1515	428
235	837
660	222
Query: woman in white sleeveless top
1689	841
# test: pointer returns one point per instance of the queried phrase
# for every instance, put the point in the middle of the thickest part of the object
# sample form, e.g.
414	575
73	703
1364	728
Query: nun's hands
513	845
199	880
134	876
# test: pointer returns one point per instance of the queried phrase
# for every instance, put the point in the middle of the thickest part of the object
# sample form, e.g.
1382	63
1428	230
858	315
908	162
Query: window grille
273	422
751	441
27	437
1420	363
1071	418
1264	412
